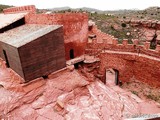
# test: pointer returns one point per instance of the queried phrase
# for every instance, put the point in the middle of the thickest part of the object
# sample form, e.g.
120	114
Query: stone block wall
131	60
75	26
132	65
28	8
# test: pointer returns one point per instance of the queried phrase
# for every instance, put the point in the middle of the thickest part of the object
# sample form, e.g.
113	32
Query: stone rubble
67	95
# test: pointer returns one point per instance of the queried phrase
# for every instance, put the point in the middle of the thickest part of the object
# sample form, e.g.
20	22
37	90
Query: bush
123	25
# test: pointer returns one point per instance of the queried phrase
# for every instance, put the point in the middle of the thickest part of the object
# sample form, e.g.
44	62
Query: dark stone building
33	50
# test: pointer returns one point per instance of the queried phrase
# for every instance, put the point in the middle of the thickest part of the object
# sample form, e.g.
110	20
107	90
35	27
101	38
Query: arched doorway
71	52
112	76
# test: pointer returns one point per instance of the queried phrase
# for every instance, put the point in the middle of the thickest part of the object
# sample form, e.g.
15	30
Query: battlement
28	8
131	60
105	41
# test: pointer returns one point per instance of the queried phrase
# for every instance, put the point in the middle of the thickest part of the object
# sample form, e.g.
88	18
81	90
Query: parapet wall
129	65
105	41
75	26
131	60
28	8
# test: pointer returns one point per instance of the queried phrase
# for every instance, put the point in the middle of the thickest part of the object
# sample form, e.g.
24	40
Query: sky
98	4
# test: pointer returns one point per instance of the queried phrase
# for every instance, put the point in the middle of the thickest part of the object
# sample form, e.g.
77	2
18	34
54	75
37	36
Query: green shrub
123	25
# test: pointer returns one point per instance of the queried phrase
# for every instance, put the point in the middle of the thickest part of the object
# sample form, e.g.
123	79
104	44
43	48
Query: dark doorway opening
153	42
45	76
116	76
112	77
6	58
71	54
76	65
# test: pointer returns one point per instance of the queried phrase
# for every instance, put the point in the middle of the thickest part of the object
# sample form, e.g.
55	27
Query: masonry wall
27	8
75	26
142	68
43	55
13	57
131	60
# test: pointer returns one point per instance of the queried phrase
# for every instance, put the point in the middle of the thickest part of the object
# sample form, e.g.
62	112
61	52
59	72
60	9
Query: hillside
111	22
149	13
3	7
112	25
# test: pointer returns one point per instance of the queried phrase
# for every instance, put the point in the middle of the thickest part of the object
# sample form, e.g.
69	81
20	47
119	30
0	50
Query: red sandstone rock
125	42
39	103
25	112
135	41
82	100
71	67
48	113
147	45
158	48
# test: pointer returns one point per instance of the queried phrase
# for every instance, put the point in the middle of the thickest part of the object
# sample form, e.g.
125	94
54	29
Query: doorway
71	54
112	77
116	76
6	58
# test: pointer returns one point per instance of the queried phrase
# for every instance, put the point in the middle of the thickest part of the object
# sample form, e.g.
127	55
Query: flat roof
7	19
26	33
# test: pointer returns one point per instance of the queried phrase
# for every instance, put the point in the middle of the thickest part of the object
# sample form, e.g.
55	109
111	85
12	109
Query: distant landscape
113	22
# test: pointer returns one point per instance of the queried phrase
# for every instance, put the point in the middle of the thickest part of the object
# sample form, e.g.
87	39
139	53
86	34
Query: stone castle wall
131	60
75	26
28	8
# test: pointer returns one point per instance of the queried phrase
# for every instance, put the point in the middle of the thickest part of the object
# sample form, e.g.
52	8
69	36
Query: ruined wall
109	42
75	27
131	60
131	65
28	8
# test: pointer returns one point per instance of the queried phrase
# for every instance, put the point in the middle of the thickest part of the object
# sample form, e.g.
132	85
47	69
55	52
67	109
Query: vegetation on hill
113	25
149	13
3	7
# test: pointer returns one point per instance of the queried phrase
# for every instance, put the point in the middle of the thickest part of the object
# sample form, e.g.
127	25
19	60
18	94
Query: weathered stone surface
75	26
33	85
77	98
25	112
49	113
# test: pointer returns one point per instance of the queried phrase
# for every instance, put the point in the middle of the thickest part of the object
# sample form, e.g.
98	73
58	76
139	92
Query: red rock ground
67	95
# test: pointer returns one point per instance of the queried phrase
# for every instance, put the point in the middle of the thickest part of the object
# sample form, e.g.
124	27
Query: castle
131	60
36	81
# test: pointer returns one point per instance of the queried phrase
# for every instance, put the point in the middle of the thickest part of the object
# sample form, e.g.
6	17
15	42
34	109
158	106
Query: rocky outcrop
66	95
148	28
